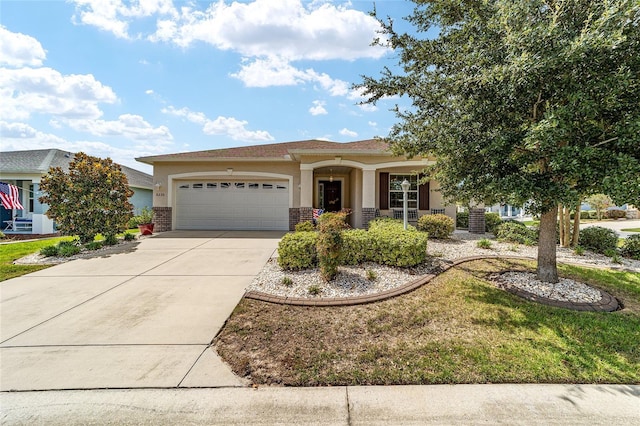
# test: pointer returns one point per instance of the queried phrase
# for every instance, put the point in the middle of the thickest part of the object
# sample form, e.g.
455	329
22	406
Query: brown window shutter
423	196
384	191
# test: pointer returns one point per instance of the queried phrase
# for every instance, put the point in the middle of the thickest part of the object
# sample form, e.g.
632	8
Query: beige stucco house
276	186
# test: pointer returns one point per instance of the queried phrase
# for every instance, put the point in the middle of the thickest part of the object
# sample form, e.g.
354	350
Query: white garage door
220	204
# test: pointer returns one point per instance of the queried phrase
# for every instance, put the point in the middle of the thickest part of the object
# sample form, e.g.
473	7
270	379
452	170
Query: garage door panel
238	205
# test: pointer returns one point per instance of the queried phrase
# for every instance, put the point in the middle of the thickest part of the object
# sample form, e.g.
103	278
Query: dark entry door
332	196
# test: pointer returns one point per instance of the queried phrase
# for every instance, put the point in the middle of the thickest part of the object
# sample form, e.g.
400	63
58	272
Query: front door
331	196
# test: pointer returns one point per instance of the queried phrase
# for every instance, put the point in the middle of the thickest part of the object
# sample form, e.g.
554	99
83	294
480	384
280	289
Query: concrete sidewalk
384	405
131	320
617	225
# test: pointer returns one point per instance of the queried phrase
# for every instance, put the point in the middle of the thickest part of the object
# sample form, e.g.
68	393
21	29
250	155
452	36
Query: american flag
10	196
317	213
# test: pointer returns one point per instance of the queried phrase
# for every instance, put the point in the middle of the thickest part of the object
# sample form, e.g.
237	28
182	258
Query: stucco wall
141	198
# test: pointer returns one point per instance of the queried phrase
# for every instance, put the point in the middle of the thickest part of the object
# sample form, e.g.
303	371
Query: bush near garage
386	242
631	247
491	221
598	239
306	226
298	251
437	226
516	232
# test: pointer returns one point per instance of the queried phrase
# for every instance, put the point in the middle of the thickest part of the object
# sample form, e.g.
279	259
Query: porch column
369	188
368	196
306	186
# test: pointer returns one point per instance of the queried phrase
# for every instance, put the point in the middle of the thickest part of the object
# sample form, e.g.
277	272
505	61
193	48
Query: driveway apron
141	319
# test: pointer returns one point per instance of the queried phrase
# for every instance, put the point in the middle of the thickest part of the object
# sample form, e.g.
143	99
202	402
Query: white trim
171	178
364	166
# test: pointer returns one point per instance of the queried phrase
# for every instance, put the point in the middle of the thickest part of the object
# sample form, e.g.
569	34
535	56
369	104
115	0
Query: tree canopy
92	198
521	101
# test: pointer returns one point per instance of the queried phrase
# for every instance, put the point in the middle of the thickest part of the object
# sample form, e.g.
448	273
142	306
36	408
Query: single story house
24	169
276	186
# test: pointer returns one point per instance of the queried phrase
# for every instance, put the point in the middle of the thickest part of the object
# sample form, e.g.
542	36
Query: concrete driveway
142	319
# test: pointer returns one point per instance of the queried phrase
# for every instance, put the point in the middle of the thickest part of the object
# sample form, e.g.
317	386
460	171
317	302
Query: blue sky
124	79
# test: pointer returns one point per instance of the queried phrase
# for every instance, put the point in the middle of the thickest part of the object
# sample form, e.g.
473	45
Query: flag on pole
10	196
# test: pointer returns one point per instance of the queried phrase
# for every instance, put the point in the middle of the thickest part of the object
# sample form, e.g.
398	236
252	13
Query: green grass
631	230
459	328
13	251
531	222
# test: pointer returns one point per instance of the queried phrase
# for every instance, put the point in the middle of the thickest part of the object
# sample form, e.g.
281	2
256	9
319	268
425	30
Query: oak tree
521	101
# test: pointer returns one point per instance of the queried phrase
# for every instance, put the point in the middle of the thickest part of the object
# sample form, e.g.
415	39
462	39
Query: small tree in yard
600	202
92	198
521	101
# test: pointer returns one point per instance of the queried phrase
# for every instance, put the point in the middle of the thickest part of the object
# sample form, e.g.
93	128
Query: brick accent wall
368	214
299	214
162	219
306	214
294	218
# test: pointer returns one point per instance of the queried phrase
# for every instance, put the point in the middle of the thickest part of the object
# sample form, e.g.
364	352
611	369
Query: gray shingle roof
274	150
38	161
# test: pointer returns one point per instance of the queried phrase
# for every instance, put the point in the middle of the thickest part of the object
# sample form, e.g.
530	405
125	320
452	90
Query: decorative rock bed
352	286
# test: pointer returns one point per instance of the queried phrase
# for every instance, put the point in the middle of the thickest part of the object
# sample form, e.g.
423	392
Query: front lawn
13	251
631	230
459	328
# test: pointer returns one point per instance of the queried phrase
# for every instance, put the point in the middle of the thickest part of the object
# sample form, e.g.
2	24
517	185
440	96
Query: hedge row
386	243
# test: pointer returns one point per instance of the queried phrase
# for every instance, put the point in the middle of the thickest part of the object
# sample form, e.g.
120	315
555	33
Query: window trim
413	179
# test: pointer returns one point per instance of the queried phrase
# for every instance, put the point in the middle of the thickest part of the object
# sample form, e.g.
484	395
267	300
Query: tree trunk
560	224
547	267
566	241
576	227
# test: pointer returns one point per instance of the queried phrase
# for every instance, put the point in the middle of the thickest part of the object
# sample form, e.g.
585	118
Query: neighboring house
276	186
506	211
24	170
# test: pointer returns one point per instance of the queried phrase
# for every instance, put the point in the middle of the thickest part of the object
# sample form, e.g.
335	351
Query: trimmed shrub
329	244
128	236
516	232
110	240
67	248
307	226
491	221
462	220
394	246
598	239
356	247
49	251
584	215
93	245
438	226
631	247
298	250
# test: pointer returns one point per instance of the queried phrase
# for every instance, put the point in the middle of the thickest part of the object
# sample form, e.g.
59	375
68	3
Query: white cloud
318	108
17	49
17	136
292	29
229	126
284	28
114	16
347	132
372	124
129	126
274	71
148	92
44	90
